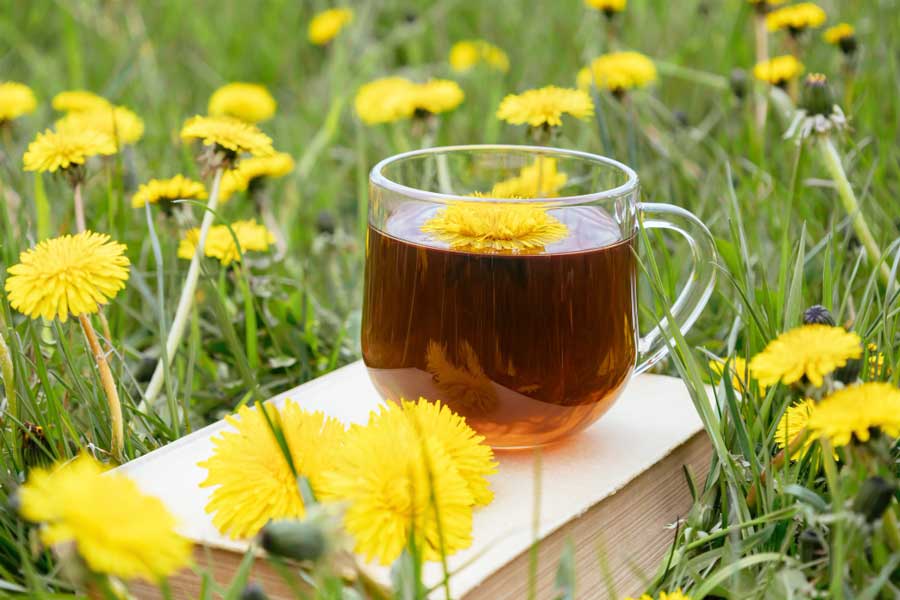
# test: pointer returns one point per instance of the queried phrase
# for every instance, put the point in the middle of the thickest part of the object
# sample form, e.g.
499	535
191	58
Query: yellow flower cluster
608	6
16	99
837	34
467	54
545	106
618	72
394	98
249	102
385	472
220	243
495	226
253	169
116	122
51	151
810	351
117	529
228	133
796	18
158	191
72	274
326	25
78	101
778	70
252	479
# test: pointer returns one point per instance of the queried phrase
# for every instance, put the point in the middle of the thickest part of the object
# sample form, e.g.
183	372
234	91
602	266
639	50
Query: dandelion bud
848	45
817	98
811	544
738	82
325	222
253	591
297	540
818	315
873	498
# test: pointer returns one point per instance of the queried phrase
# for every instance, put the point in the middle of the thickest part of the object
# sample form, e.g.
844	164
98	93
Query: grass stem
117	442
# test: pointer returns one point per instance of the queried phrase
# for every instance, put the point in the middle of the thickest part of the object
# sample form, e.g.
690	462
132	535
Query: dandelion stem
848	198
176	331
80	224
109	386
762	55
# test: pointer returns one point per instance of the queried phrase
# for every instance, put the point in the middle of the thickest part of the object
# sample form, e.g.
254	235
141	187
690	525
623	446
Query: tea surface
528	347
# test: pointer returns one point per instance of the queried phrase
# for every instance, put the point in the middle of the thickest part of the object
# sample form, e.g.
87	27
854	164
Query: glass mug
502	281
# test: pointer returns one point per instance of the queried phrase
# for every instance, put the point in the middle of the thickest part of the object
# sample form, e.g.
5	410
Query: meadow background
784	239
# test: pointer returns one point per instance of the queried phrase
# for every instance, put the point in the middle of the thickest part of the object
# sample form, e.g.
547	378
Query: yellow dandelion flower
778	70
495	226
388	472
78	100
545	106
437	96
16	99
158	191
220	245
393	98
228	133
116	528
252	479
618	72
541	179
792	423
676	595
326	25
766	3
249	102
465	383
811	351
839	33
738	368
117	122
68	275
52	150
252	170
796	18
466	54
473	459
854	411
607	6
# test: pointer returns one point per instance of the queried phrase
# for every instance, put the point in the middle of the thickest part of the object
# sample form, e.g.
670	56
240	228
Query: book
613	492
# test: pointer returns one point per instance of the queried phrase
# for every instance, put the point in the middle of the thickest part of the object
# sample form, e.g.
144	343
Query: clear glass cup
502	281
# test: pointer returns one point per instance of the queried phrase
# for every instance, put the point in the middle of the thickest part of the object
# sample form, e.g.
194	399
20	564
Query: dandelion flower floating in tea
252	480
811	351
117	122
72	274
53	150
79	100
466	383
856	410
249	102
495	226
220	243
411	471
158	191
16	100
115	527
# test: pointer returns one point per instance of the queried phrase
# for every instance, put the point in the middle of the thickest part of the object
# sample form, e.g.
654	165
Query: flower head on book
252	479
115	528
808	351
412	475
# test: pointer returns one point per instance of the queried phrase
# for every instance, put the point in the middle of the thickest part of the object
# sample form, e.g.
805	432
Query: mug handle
693	298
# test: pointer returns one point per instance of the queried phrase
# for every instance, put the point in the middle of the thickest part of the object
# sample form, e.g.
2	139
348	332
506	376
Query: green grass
784	239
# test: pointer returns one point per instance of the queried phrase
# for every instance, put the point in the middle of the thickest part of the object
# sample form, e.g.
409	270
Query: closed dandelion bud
325	222
253	591
817	98
296	540
873	498
738	81
818	315
848	45
812	547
